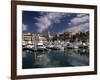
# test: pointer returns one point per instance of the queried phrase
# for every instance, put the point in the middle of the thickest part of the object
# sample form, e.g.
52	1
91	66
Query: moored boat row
56	45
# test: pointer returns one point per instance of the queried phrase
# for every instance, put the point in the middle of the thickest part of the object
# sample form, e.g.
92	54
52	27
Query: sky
54	22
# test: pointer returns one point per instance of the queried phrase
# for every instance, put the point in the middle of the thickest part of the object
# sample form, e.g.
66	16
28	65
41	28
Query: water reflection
55	58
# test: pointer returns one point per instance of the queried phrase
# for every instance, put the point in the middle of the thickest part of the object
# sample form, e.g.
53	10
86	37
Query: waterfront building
31	38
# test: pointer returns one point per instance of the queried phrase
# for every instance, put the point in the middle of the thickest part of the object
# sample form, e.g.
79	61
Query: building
29	38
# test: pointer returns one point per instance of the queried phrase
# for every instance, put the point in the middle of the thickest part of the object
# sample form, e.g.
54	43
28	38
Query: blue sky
54	22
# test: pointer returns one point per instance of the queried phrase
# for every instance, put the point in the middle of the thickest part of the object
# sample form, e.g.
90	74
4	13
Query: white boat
69	45
40	46
30	44
74	45
23	43
60	47
56	46
50	45
84	45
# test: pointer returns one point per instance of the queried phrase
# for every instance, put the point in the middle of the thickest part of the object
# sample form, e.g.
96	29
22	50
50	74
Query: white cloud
81	15
47	19
78	23
80	18
25	27
81	27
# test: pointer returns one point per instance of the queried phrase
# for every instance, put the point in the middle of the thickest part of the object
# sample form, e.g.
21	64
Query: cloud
47	19
81	15
80	19
25	27
78	23
81	27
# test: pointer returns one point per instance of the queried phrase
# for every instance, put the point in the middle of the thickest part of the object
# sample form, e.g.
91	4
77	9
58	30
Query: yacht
30	44
40	46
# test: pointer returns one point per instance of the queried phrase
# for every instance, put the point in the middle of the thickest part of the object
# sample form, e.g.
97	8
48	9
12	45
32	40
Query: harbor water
55	58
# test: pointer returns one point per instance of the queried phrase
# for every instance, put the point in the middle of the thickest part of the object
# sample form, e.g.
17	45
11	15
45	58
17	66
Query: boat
23	44
50	45
40	46
30	44
56	46
74	45
69	46
84	45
